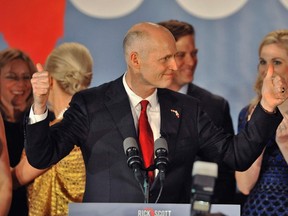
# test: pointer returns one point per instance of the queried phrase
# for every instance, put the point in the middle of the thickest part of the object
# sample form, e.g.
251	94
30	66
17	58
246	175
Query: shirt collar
183	89
135	99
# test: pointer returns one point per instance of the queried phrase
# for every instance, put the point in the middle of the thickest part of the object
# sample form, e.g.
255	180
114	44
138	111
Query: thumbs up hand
274	90
40	83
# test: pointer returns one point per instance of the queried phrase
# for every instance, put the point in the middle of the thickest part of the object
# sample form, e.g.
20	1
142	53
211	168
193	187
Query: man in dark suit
216	106
100	118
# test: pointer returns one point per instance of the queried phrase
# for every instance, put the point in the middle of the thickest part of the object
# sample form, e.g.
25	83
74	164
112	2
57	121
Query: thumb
270	71
39	67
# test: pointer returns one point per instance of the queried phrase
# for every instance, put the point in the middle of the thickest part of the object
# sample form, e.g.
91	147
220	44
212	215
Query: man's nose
173	65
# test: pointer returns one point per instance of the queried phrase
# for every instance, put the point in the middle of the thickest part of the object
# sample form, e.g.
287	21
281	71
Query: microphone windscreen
205	168
160	143
128	143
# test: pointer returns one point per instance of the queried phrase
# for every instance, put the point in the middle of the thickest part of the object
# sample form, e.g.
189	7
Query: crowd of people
64	141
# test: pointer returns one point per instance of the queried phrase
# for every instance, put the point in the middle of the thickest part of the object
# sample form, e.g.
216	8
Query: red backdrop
33	26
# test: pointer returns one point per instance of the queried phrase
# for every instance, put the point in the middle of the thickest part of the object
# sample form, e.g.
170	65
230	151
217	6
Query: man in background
216	106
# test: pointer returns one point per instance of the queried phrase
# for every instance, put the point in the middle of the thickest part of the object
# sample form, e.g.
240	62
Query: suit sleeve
241	150
46	145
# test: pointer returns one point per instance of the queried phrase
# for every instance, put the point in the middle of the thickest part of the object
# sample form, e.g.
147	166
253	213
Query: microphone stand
146	187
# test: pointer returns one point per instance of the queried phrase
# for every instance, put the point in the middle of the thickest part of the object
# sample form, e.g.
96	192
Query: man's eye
166	58
194	53
179	55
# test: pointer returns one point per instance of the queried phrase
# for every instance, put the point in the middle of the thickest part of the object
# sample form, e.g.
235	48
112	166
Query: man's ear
134	58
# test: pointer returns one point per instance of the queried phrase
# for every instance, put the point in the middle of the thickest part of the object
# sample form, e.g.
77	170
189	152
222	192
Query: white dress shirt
153	109
183	89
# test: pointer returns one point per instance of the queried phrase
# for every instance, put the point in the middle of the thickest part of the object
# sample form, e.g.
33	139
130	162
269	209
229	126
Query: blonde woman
70	70
5	176
266	181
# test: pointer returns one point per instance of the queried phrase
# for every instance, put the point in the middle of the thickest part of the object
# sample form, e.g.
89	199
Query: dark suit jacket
216	107
100	118
218	110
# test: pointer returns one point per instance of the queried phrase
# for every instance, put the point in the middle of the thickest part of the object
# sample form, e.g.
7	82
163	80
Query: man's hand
40	83
274	90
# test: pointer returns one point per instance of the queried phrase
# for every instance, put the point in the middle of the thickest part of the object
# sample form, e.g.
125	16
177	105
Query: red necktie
146	140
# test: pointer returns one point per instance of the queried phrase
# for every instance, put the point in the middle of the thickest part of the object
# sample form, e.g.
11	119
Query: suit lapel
170	118
118	105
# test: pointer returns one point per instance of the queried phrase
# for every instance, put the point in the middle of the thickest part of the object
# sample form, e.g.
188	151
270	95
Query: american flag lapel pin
175	112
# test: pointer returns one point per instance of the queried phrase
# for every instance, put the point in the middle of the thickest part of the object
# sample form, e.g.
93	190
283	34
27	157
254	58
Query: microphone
134	161
204	175
161	160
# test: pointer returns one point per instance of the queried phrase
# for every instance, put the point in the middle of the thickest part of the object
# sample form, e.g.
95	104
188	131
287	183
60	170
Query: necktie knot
144	104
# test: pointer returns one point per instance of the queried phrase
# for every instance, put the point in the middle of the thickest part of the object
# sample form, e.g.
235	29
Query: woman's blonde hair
70	64
279	37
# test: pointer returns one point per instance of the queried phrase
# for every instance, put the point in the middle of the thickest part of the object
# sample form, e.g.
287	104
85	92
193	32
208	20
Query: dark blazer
216	107
218	110
100	118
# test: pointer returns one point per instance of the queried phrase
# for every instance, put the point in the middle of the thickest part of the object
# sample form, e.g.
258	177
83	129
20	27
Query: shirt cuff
36	118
